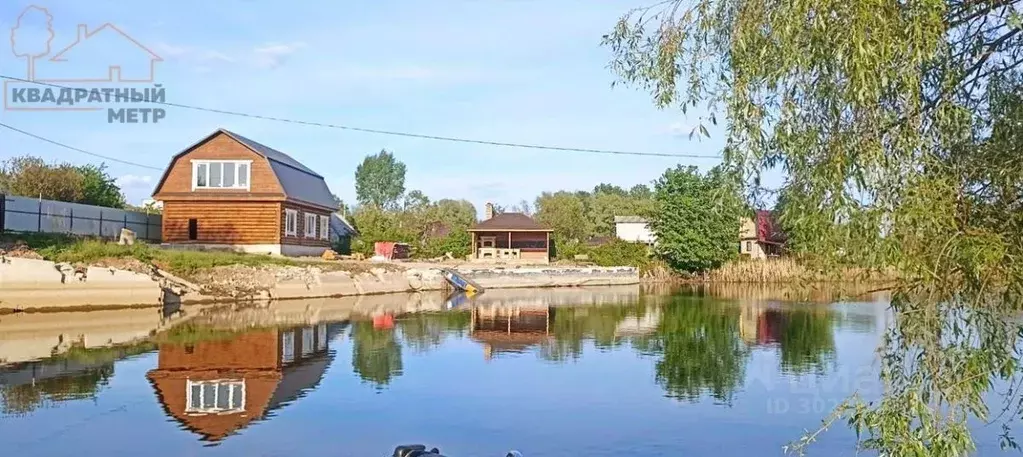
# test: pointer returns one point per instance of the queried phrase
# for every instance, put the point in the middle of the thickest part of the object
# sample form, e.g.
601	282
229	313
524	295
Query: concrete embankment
30	284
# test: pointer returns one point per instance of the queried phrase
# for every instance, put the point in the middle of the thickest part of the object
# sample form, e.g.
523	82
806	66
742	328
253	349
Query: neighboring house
510	237
760	237
229	192
635	229
215	388
341	233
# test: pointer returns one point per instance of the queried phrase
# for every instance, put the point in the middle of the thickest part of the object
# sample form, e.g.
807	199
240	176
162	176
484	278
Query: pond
600	372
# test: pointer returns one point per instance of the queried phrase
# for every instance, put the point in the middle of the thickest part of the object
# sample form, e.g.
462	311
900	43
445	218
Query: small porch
511	245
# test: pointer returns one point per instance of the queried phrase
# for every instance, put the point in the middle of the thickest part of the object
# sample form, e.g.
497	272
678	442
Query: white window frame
308	341
287	347
237	169
310	234
324	227
321	337
232	390
291	215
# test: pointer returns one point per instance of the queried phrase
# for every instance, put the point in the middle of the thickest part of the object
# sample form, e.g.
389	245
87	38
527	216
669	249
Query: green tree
28	176
610	189
697	223
603	209
380	180
565	213
99	188
415	200
640	192
898	122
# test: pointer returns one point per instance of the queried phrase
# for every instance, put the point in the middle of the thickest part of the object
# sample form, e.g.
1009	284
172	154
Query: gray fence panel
33	215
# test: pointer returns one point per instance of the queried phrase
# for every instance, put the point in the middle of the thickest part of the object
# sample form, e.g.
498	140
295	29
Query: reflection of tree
25	398
571	325
424	331
700	349
806	339
376	355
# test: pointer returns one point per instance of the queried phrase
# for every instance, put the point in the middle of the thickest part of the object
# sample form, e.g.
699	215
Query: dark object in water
419	450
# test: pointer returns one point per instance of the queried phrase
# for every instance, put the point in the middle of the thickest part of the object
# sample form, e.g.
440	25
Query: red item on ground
391	250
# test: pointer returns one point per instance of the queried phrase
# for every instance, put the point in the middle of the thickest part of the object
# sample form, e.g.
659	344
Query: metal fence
21	214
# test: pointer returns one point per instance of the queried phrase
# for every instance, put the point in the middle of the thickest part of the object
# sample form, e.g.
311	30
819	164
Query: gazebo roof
513	222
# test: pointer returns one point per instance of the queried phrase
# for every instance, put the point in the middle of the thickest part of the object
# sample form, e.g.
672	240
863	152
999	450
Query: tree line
29	176
695	216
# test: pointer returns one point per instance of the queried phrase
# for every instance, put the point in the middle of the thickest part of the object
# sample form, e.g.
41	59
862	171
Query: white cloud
275	54
134	181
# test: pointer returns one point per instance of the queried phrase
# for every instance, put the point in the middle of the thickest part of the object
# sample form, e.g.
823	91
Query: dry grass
786	270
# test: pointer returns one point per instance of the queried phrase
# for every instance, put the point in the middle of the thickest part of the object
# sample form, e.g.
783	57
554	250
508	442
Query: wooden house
510	237
229	192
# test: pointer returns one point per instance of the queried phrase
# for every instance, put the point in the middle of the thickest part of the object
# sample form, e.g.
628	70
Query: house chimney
83	31
488	211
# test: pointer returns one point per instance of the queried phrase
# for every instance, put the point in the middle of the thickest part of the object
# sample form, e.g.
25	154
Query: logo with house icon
102	53
80	68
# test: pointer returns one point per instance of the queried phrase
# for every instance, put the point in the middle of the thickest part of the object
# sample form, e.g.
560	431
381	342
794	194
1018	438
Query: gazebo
510	237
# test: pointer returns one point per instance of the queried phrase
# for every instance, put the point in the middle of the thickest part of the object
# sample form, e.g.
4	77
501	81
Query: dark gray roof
270	153
298	181
301	186
340	227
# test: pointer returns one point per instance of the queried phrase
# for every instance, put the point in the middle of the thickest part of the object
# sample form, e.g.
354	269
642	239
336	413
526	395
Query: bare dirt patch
18	248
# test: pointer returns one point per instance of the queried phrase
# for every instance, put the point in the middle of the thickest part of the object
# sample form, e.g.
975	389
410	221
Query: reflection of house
510	329
761	237
760	325
215	388
510	237
634	228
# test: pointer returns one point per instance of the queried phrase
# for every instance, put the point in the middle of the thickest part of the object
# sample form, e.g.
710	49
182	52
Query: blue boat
460	282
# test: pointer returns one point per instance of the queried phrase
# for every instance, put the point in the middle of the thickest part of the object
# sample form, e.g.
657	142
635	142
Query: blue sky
526	71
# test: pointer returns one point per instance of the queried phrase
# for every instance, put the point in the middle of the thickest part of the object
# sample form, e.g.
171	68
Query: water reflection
224	370
79	373
217	386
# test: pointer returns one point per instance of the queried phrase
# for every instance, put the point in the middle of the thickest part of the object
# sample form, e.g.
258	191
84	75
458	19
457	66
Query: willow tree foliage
897	124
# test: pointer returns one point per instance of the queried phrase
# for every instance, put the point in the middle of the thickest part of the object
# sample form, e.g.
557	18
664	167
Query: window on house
193	229
290	222
324	227
307	342
220	174
215	397
321	337
310	225
288	347
749	246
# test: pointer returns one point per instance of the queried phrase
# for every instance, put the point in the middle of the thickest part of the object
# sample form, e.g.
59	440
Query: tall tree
380	180
565	213
697	223
895	119
99	188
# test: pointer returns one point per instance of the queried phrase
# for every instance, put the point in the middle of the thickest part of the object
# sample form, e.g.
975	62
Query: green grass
64	248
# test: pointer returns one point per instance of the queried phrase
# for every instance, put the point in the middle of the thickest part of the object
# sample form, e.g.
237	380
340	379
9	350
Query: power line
112	159
400	134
